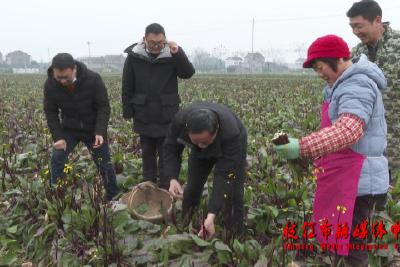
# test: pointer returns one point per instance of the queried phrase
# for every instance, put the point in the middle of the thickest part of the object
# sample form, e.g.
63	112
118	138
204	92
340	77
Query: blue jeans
101	157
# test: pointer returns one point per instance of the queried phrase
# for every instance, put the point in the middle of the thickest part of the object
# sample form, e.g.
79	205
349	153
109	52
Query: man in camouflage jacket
382	45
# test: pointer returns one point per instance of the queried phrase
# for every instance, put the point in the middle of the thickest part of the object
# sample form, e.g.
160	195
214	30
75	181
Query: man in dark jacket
218	140
82	98
150	92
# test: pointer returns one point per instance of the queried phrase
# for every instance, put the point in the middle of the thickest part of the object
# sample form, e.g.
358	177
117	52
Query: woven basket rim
135	190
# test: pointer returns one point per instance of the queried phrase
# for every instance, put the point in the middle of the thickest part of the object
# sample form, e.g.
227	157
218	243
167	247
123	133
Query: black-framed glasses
66	79
63	78
153	44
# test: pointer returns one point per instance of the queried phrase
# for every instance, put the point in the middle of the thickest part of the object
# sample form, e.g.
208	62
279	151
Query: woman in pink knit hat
348	149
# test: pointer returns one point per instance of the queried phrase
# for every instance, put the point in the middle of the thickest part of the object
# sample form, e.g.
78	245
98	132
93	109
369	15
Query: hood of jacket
139	50
363	66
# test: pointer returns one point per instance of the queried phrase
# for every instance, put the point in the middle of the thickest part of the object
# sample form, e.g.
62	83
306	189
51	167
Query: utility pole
88	44
252	48
252	37
48	55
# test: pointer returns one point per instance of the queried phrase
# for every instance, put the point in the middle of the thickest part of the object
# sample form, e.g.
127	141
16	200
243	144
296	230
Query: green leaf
12	229
304	195
80	234
274	211
8	259
67	216
132	227
121	219
251	249
69	259
10	244
280	191
131	242
238	247
176	249
164	255
244	263
12	192
221	246
292	202
223	257
200	242
142	208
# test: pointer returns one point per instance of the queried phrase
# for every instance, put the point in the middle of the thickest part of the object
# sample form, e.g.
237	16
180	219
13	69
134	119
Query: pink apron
337	184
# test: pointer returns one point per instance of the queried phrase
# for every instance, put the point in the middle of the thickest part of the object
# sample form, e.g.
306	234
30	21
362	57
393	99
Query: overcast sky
44	27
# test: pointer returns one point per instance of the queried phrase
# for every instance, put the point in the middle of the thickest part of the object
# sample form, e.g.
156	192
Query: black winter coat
229	148
85	111
150	88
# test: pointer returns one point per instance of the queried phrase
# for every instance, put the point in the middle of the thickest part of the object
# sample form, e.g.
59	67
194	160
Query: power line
206	28
301	18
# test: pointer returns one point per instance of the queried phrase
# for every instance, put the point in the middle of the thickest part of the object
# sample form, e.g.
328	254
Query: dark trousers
364	208
152	167
233	208
101	157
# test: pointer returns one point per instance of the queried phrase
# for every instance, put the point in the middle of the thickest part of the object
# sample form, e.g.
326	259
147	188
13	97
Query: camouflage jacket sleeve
388	57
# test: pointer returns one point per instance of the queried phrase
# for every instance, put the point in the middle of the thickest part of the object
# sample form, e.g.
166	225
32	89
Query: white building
18	59
25	70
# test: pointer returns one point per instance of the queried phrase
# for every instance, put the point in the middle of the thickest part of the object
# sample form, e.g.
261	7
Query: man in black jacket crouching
217	139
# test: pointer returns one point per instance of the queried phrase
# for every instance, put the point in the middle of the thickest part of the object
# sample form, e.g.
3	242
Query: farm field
72	225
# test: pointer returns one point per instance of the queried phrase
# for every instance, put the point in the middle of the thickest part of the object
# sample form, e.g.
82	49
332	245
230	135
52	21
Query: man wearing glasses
150	93
217	141
78	96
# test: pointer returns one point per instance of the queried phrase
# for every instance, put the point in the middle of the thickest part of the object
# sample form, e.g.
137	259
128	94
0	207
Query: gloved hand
290	150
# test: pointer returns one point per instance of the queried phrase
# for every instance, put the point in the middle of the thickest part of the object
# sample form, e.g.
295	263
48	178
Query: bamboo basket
157	202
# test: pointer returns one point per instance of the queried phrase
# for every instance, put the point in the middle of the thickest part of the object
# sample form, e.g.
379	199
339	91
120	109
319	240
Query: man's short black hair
368	9
154	28
63	61
202	120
